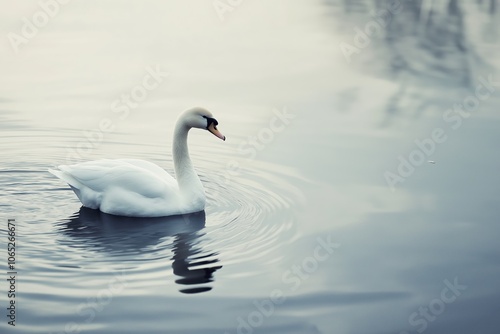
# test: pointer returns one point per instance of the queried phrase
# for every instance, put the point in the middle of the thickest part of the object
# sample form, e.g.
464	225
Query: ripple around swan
248	215
252	211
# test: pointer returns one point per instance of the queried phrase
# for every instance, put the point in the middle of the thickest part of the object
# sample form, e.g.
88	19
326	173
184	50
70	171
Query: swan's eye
210	121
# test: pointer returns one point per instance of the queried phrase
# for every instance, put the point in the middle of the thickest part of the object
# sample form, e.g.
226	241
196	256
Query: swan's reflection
122	236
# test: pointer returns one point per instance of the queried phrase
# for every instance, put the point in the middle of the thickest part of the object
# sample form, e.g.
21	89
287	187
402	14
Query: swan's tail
66	177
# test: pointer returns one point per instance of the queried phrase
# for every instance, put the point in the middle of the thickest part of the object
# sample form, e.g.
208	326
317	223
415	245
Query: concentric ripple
249	214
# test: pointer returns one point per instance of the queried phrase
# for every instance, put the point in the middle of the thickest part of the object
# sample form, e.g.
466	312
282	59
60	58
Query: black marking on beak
210	121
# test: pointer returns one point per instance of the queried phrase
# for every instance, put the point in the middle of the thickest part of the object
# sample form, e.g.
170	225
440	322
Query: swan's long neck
188	180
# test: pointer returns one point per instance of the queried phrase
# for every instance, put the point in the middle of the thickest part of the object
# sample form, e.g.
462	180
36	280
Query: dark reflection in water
121	236
185	251
443	44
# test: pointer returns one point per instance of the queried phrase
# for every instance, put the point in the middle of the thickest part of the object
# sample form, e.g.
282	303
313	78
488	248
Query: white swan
138	188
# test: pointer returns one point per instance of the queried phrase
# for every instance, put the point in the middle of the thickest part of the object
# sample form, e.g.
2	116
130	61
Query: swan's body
138	188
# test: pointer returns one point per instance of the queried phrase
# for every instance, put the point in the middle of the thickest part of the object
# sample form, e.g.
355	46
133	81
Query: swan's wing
101	175
153	168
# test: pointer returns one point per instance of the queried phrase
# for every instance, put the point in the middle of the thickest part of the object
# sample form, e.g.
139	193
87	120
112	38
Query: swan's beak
212	128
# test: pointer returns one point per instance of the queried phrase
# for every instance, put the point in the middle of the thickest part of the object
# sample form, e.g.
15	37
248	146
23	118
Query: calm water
353	194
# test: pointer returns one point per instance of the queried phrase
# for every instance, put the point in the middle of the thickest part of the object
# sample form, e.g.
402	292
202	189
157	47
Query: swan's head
202	119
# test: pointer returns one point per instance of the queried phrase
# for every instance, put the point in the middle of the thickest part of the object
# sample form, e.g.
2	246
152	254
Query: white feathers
138	188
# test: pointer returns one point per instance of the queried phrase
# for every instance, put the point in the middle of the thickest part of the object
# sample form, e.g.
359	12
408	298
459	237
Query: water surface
303	231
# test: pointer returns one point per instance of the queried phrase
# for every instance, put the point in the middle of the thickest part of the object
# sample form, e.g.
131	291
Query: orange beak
212	128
